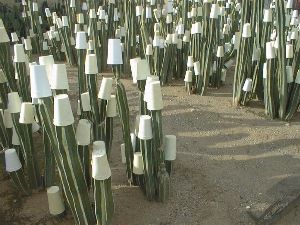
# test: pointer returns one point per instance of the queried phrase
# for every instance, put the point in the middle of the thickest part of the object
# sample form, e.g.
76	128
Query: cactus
20	182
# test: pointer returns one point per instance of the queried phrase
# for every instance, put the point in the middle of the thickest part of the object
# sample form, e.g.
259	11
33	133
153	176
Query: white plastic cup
65	21
148	13
26	115
27	44
92	14
91	66
12	161
2	77
59	77
154	96
114	56
35	7
289	74
265	71
100	166
223	74
48	62
81	40
123	155
267	16
220	51
214	11
246	30
179	44
55	200
145	128
7	119
170	147
63	115
228	64
14	102
14	37
197	68
289	4
149	50
39	82
111	108
138	164
180	29
80	18
83	132
138	10
102	14
105	88
297	80
190	61
270	51
19	53
289	51
99	145
85	102
247	85
142	69
295	14
15	138
188	76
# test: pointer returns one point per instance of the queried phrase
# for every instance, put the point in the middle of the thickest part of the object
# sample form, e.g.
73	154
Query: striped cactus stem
49	171
16	145
138	171
294	98
163	180
104	203
3	90
75	187
8	124
14	168
36	26
4	138
111	112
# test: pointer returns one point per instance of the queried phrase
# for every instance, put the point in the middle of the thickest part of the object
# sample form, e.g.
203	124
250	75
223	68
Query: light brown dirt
228	158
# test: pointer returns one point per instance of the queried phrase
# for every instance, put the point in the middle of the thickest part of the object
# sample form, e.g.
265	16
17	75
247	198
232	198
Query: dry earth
229	160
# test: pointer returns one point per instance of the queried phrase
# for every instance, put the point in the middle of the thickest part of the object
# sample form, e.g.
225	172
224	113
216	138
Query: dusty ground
228	160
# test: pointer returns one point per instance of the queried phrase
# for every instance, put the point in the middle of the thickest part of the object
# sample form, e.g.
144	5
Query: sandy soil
228	160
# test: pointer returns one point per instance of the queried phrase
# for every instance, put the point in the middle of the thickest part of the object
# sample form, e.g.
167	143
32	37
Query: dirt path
228	160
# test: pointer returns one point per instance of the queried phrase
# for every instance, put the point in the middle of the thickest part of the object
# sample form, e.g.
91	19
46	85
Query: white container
39	82
80	18
287	20
2	77
19	54
270	51
105	88
59	23
247	85
26	115
85	102
7	119
180	29
148	13
114	56
140	69
35	7
154	96
169	19
14	37
111	108
102	14
197	68
27	44
174	39
80	40
48	62
149	50
12	161
63	115
267	16
99	145
265	70
223	74
214	11
227	47
289	4
289	51
55	200
145	128
83	132
15	138
100	166
65	22
59	77
220	51
123	155
188	76
92	14
246	30
14	102
190	61
138	10
179	44
91	66
157	14
138	164
295	14
170	147
289	74
133	141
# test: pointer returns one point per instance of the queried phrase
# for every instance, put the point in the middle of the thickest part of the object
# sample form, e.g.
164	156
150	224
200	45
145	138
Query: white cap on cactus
270	51
138	164
169	19
47	12
161	43
111	108
80	18
105	88
214	11
123	155
102	14
12	161
48	62
65	22
7	119
197	68
287	20
19	54
138	10
174	39
265	70
220	51
55	200
27	44
63	115
289	74
139	68
100	166
289	51
14	37
3	35
83	132
59	23
91	64
169	39
92	14
26	115
2	77
238	7
222	11
15	138
148	12
81	40
227	47
59	77
85	102
295	14
14	102
186	37
294	21
72	3
289	4
297	80
193	12
170	147
45	46
157	14
179	44
156	41
180	29
247	85
267	16
246	30
84	6
149	50
223	74
188	76
35	7
190	61
154	96
116	15
114	56
145	128
226	29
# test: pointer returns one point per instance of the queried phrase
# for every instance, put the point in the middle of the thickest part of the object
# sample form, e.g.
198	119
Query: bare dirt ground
229	161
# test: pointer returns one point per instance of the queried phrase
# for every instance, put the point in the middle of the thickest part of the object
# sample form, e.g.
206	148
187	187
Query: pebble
247	207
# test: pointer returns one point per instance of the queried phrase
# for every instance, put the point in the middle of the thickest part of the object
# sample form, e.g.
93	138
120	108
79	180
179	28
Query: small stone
287	124
247	207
